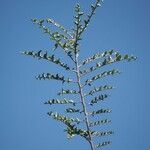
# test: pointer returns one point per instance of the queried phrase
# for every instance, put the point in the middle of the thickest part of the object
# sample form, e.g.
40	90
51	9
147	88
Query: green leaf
97	56
98	89
100	145
67	32
47	57
102	133
72	131
62	118
89	16
101	97
40	23
50	76
100	111
101	75
73	110
57	101
62	40
68	92
99	122
115	57
81	13
78	24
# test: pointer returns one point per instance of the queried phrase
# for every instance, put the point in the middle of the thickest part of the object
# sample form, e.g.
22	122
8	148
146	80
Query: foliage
82	105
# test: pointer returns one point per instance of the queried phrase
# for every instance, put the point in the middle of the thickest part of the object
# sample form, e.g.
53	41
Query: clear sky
123	25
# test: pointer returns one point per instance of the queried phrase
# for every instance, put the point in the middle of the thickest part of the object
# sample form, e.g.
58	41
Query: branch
100	145
57	101
96	99
93	10
61	40
99	122
58	77
98	89
100	111
109	60
97	56
102	133
101	75
63	118
72	131
49	20
73	110
68	92
45	56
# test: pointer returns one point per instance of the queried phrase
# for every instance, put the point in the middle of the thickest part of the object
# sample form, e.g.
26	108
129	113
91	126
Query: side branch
93	9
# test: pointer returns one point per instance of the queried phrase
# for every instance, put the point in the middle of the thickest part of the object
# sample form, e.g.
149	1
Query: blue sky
121	25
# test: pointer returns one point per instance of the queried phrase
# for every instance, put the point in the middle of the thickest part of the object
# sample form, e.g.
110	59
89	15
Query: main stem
77	67
83	102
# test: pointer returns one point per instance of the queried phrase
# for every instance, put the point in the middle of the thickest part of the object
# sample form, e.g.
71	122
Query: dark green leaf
101	88
98	56
57	101
49	20
68	92
100	111
100	145
116	57
50	76
45	56
63	118
72	110
102	133
72	131
99	122
89	16
101	97
101	75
